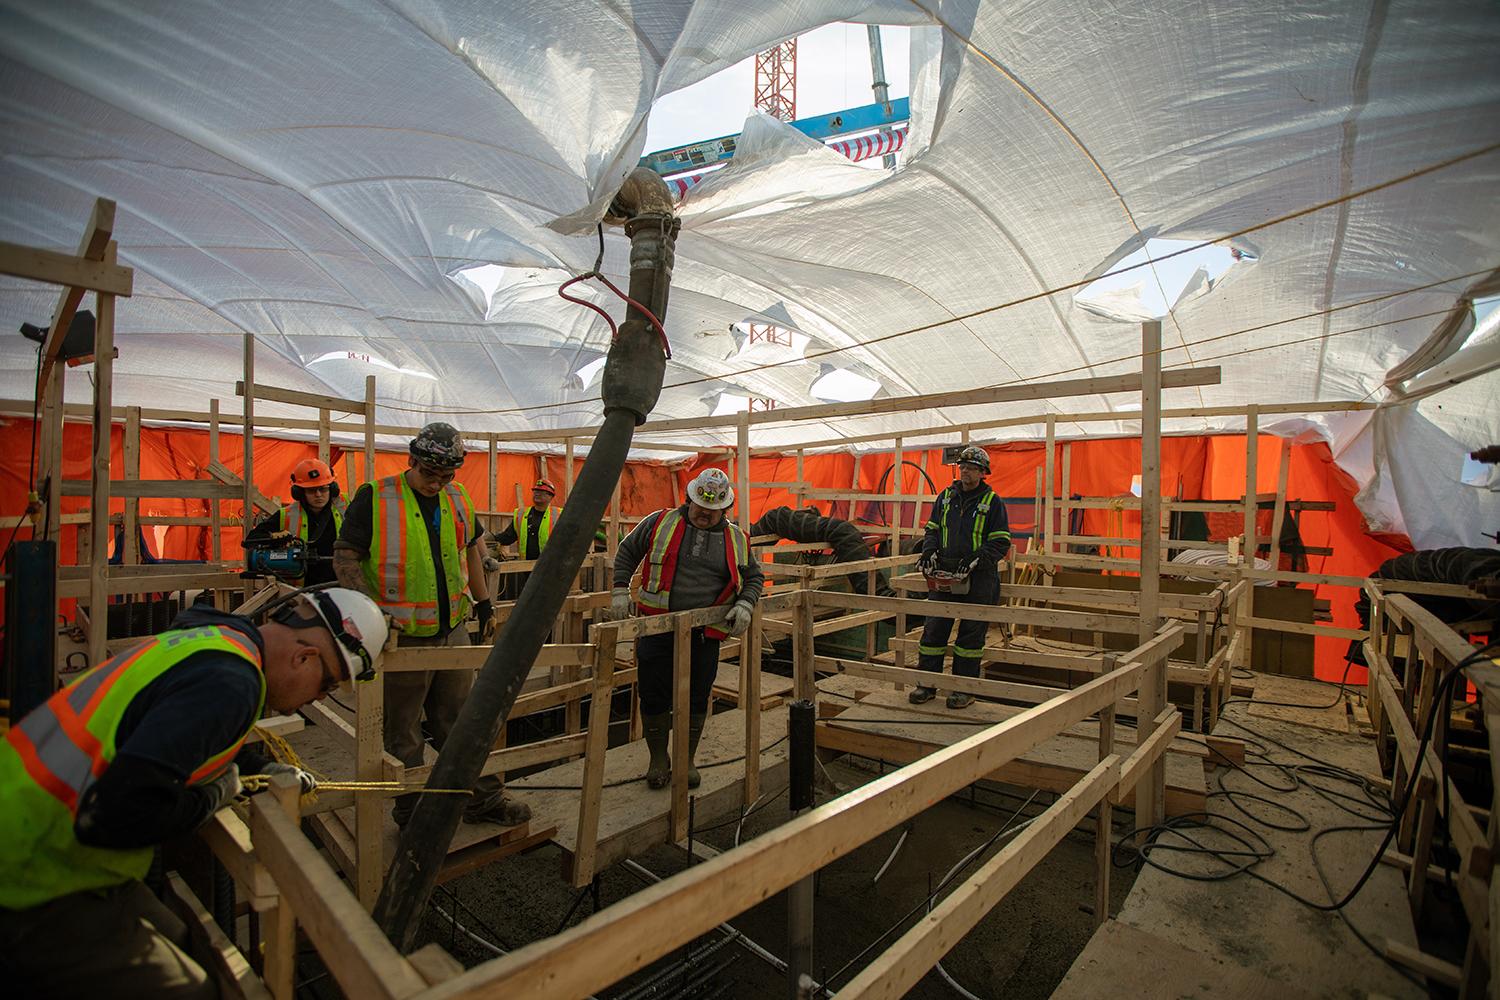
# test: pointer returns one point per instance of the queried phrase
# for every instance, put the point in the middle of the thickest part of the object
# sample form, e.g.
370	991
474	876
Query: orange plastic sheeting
180	453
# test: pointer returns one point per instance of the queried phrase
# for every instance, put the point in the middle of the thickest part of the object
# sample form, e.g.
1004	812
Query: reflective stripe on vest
523	529
981	515
293	523
50	759
400	571
660	566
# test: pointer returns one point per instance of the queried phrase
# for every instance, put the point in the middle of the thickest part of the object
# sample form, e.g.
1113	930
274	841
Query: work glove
973	565
483	611
927	565
738	618
304	778
222	790
619	604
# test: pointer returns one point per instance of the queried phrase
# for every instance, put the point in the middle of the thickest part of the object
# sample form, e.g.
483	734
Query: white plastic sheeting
321	174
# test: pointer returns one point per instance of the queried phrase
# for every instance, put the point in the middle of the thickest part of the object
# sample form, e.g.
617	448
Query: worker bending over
690	557
966	538
315	515
411	542
136	752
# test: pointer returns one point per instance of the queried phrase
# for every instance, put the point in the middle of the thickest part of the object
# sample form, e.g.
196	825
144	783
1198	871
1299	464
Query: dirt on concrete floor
1020	949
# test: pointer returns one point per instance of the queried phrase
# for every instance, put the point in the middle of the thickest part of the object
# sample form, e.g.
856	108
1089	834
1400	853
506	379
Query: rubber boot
695	733
658	729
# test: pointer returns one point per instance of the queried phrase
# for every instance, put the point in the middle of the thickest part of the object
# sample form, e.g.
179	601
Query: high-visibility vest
294	520
660	566
981	517
51	757
399	570
543	530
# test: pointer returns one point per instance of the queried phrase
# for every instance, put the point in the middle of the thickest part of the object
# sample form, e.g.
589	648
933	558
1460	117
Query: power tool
282	555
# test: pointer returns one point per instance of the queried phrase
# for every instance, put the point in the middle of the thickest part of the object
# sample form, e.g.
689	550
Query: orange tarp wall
1208	468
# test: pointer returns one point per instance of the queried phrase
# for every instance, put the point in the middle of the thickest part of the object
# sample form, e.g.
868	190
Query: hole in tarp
1149	282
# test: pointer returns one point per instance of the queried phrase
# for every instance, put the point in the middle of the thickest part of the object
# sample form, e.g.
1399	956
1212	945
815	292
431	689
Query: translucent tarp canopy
399	188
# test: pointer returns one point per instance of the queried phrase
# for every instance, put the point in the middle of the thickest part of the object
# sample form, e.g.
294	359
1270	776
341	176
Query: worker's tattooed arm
346	567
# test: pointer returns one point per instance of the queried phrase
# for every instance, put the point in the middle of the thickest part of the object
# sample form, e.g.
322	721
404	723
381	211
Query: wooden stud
369	697
131	556
682	671
804	677
325	446
99	527
568	468
1278	517
594	755
93	247
1049	490
1247	601
742	470
750	703
1065	512
1151	796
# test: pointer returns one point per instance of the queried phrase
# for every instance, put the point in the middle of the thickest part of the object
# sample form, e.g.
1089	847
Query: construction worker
531	526
690	557
137	752
411	542
315	515
529	529
965	541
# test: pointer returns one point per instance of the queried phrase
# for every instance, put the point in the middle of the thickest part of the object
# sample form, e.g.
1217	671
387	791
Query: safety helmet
312	473
439	446
975	455
711	489
544	486
358	626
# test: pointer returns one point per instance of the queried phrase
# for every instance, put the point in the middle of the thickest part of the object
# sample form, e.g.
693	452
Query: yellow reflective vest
523	529
49	759
399	570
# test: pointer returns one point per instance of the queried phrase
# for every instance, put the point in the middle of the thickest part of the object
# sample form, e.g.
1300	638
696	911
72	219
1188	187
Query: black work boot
921	695
960	699
657	729
695	733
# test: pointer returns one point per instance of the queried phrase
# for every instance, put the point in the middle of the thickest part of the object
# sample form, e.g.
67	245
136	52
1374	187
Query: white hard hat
358	626
711	489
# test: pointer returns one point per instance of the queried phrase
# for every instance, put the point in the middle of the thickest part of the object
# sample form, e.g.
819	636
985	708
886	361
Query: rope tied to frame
283	752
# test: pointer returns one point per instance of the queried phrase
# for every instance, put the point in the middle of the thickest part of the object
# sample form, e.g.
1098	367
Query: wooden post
1278	517
1049	504
898	488
568	468
804	678
215	516
325	448
682	637
131	556
369	702
279	925
742	469
248	436
750	703
1103	815
99	527
1151	792
612	532
596	745
1066	511
1247	600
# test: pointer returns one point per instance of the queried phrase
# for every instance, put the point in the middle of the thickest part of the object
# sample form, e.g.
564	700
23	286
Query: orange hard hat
545	485
311	472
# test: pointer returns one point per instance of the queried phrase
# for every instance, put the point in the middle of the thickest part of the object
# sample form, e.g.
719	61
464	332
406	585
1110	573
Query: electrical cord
1250	848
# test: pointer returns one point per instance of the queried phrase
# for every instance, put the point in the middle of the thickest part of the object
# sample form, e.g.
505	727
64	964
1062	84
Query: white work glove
927	565
738	618
222	790
619	604
304	778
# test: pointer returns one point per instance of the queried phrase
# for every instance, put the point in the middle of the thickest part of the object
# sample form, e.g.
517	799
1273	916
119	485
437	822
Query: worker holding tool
411	542
134	753
315	515
690	557
961	549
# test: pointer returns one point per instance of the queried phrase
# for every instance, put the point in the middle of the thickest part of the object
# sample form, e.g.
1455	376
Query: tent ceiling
319	175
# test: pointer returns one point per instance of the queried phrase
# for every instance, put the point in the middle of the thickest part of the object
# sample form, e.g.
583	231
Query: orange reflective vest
399	570
50	758
660	566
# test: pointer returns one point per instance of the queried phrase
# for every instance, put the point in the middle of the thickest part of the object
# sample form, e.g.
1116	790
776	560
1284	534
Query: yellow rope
260	782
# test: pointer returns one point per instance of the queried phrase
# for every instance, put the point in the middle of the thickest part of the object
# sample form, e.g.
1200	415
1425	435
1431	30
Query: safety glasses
440	476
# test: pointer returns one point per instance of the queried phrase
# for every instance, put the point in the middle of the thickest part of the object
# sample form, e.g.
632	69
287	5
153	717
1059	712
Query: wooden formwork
289	884
1411	715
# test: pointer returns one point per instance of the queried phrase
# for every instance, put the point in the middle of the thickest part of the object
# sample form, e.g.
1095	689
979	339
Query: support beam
96	237
1151	797
99	526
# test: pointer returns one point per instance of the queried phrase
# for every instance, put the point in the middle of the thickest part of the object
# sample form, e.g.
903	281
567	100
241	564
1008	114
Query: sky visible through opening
833	73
